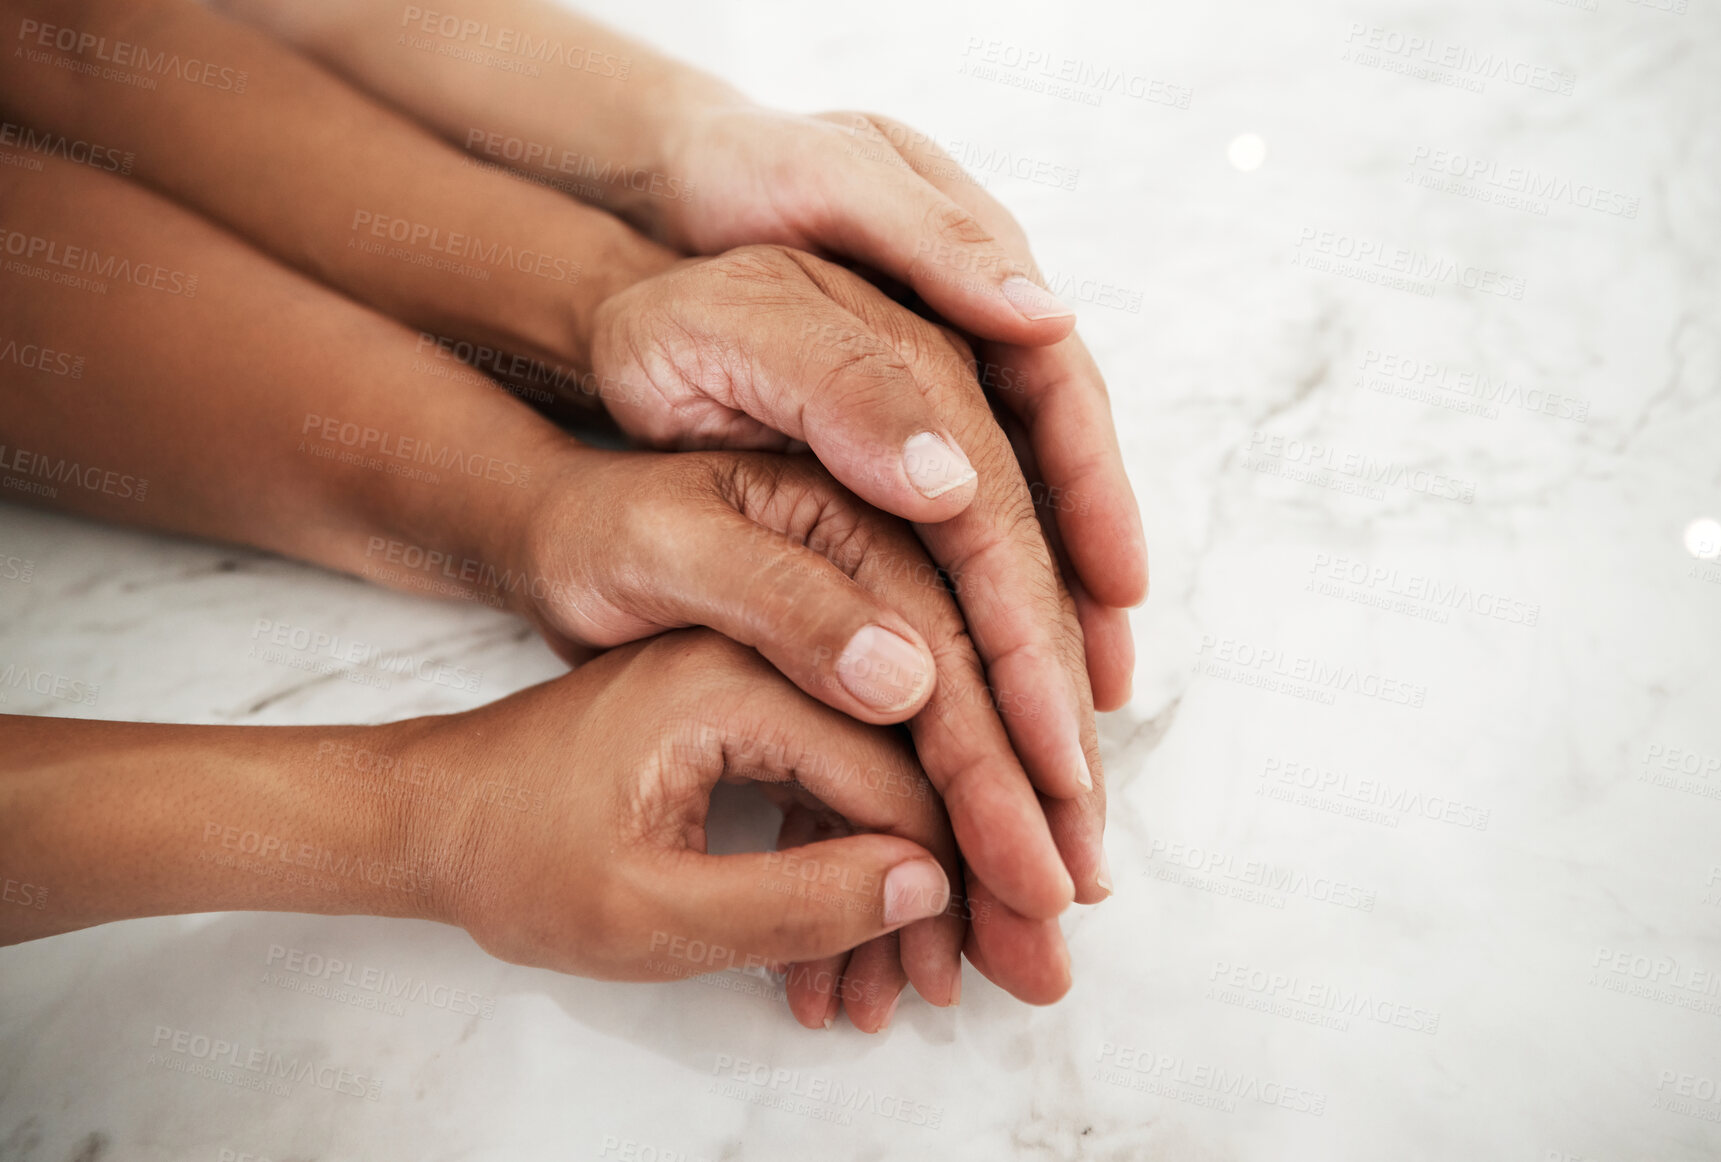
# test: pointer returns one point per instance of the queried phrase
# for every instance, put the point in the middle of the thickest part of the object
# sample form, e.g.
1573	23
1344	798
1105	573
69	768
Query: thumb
809	619
804	903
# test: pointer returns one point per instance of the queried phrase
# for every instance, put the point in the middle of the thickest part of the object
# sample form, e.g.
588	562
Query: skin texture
694	163
596	547
310	154
595	866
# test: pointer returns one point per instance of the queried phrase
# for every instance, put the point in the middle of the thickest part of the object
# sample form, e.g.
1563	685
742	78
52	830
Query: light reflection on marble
1343	774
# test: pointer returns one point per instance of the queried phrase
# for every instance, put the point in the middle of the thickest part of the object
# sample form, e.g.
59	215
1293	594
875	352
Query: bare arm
267	143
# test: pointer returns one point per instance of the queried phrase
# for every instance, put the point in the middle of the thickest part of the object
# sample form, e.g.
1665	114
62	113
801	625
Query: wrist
656	194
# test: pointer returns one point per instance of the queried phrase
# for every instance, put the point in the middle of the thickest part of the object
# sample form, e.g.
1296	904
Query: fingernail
914	891
1082	775
890	1012
1103	875
956	989
883	669
934	467
831	1010
1033	301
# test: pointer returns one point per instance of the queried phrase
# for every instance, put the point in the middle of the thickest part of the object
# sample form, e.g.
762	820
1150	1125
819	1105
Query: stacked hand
902	572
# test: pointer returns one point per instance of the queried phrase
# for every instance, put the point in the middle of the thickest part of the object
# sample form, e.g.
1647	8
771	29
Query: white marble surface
1555	975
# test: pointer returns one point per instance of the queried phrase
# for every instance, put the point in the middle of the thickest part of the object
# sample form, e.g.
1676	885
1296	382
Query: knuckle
945	219
757	262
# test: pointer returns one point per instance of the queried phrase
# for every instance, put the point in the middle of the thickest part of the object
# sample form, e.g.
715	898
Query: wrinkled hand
870	189
593	861
842	599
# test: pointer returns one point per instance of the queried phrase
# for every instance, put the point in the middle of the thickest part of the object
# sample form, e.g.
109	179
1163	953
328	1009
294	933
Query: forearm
268	144
523	83
222	395
105	821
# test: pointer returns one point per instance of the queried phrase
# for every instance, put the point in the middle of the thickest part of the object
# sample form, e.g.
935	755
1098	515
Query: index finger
1008	585
1057	391
960	740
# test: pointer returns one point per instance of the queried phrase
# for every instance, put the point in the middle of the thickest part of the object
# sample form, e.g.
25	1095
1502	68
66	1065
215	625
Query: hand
774	554
563	826
829	361
611	878
871	189
596	547
691	161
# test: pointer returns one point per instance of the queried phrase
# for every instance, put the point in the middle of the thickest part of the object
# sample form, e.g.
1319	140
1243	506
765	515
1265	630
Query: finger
813	372
874	984
805	904
713	566
1079	831
1078	828
959	738
895	221
813	986
1008	588
871	780
1026	958
855	402
1106	639
1058	394
1110	649
1059	391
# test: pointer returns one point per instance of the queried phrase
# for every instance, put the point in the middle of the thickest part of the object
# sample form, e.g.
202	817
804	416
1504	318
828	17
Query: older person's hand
695	164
